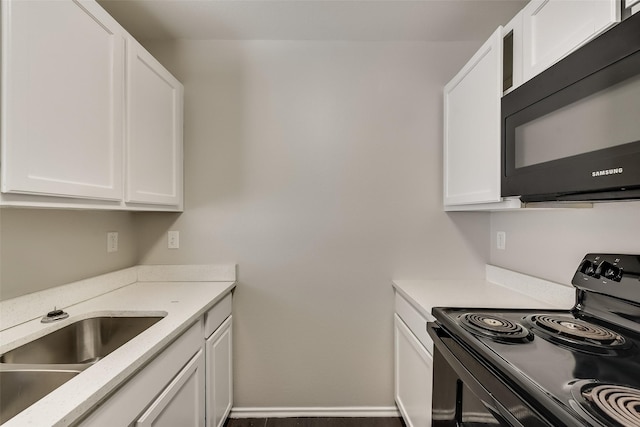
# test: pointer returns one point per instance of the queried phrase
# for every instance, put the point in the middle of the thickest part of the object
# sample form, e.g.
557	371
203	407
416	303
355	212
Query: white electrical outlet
112	241
501	240
173	239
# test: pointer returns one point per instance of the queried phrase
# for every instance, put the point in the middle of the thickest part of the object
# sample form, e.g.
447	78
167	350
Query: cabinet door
154	130
219	374
62	98
472	128
182	402
133	397
554	28
413	377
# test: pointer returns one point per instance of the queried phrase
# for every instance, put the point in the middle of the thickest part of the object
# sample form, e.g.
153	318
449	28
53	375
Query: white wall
316	166
550	244
44	248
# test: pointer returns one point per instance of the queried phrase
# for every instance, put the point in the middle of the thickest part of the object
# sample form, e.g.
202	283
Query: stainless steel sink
85	341
20	389
33	370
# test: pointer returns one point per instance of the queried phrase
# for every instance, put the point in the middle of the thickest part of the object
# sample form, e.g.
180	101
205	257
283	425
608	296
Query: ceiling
349	20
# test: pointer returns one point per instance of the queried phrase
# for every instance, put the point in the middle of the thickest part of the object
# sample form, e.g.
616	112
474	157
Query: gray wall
315	166
550	244
43	248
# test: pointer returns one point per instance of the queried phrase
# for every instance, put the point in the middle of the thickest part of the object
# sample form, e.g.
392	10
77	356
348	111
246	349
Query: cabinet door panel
219	374
181	403
472	128
413	377
62	106
154	136
123	408
554	28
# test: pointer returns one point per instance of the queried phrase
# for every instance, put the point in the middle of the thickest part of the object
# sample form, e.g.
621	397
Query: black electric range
512	367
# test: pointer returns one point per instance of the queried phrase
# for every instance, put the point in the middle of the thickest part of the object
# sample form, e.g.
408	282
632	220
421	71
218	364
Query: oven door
466	393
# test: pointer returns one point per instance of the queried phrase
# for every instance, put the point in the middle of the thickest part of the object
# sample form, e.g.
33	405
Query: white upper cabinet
62	100
554	28
472	128
154	130
89	118
541	34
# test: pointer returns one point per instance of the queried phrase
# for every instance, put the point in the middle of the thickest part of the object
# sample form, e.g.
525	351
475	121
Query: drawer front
216	315
416	322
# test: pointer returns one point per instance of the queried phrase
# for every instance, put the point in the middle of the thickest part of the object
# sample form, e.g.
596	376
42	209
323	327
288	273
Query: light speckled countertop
184	299
501	289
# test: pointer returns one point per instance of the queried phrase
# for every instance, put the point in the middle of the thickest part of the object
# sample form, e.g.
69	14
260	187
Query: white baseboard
339	411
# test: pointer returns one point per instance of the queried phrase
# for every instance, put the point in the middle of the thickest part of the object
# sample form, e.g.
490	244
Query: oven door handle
508	416
487	399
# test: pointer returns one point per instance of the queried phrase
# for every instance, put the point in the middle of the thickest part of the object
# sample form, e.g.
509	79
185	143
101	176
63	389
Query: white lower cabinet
189	384
413	366
130	403
413	377
181	403
219	374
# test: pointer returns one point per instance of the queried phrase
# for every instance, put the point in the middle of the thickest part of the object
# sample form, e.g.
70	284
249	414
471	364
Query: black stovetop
549	372
557	372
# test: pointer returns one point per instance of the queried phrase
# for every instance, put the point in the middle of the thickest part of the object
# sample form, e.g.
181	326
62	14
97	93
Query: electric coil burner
612	404
530	368
577	334
495	327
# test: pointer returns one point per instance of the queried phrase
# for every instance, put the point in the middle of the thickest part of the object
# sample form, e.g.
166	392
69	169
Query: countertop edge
415	304
540	292
70	402
24	308
138	364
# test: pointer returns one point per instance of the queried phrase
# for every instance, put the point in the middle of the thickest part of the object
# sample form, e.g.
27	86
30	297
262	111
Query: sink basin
33	370
82	342
21	388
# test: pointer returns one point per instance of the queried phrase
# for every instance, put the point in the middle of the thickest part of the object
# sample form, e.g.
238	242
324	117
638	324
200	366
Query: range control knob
589	268
609	271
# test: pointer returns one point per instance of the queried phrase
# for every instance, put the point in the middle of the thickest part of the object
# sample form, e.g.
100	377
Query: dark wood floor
314	422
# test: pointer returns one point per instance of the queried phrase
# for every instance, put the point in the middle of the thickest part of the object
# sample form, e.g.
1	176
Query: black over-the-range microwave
572	133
